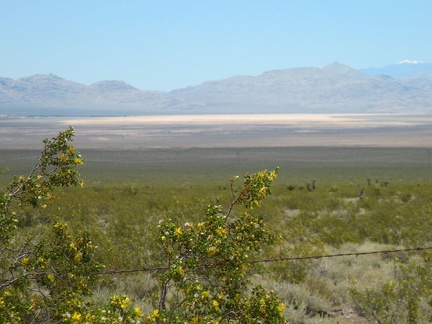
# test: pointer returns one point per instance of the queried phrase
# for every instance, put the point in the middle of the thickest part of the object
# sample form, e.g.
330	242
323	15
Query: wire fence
278	259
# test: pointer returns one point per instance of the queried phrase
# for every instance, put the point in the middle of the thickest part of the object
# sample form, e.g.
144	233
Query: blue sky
169	44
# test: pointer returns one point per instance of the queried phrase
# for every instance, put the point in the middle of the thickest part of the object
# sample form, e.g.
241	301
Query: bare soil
204	131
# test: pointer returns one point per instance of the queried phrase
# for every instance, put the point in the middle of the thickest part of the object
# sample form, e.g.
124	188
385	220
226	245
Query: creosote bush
46	278
206	280
405	299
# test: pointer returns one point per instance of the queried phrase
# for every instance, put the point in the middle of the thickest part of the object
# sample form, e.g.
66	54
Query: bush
46	278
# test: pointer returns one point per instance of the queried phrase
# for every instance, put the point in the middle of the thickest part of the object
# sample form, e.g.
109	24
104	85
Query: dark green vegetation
325	200
206	165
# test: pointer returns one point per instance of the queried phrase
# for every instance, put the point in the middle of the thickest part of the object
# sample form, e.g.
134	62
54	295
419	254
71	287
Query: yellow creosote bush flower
212	250
125	303
78	257
281	308
178	231
221	231
180	271
76	317
138	312
156	313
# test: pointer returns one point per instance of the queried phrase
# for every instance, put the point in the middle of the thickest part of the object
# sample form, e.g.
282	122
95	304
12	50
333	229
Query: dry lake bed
217	131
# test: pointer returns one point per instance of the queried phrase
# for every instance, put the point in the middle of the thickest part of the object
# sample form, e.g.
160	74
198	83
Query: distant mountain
400	69
335	88
52	95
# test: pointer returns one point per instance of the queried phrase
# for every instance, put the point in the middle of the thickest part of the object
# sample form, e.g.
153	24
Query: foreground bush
46	277
207	276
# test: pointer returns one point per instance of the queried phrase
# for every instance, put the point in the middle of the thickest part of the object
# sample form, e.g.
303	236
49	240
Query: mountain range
336	88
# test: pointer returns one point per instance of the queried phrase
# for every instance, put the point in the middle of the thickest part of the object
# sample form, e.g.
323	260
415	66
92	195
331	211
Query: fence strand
316	257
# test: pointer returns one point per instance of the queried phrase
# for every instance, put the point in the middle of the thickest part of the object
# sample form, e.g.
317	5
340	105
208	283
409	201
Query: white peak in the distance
410	62
401	68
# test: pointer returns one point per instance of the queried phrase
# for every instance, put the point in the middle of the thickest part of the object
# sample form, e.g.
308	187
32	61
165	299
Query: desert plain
145	148
211	131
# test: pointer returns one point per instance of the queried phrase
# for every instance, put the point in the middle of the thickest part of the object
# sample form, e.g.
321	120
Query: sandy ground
323	120
140	132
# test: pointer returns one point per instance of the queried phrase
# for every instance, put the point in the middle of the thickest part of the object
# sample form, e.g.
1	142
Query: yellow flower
204	295
78	257
180	271
76	317
125	303
50	277
78	161
156	313
138	312
81	284
221	231
178	231
212	250
281	308
25	261
216	304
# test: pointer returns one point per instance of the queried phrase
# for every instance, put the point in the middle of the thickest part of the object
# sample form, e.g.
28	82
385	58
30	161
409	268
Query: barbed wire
147	269
340	255
313	257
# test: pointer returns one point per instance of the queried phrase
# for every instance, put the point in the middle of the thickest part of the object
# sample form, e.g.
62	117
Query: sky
169	44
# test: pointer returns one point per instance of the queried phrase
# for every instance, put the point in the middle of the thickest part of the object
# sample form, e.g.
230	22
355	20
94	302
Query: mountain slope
335	88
